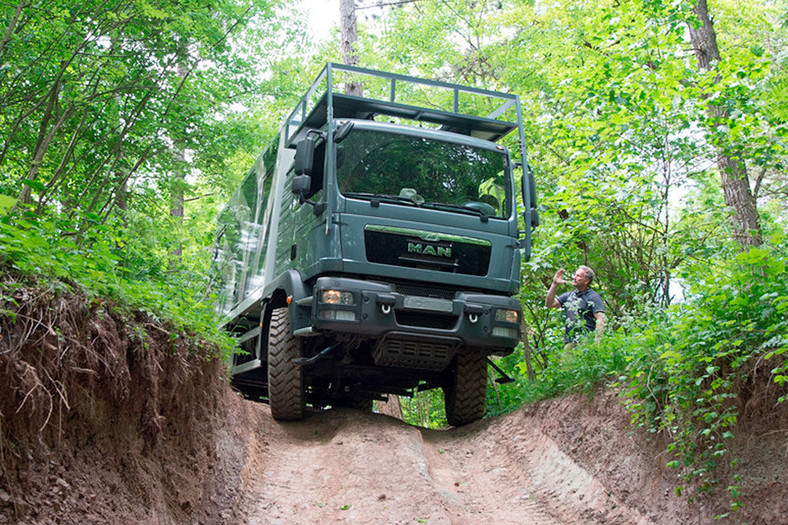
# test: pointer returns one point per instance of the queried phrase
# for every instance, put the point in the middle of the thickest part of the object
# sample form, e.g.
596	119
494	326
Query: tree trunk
392	407
12	25
347	28
178	180
177	184
527	353
731	164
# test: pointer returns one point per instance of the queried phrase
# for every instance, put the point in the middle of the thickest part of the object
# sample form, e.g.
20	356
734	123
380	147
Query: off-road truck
374	247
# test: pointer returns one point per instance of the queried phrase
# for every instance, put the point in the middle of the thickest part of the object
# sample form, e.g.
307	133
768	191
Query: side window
223	266
263	220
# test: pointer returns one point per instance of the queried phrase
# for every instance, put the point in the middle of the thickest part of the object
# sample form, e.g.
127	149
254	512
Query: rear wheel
285	378
465	393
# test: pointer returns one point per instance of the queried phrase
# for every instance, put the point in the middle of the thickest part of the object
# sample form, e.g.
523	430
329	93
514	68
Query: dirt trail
349	467
568	461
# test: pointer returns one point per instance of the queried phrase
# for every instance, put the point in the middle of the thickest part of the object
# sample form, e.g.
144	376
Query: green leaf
6	203
35	184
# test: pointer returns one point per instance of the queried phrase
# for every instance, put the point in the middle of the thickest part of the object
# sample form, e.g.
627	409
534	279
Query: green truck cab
374	247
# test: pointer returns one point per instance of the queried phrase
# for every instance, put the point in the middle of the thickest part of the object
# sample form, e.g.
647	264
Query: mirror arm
321	134
317	207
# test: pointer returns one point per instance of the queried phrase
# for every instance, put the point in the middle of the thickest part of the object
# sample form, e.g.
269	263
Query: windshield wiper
457	207
381	197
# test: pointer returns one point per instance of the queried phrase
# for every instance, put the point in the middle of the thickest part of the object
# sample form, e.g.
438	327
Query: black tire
465	393
285	379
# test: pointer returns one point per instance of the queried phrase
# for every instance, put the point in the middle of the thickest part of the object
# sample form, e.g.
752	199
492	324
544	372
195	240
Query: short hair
589	273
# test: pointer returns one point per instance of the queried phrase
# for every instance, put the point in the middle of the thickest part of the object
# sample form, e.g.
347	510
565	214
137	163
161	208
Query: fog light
507	316
337	297
345	315
500	331
337	315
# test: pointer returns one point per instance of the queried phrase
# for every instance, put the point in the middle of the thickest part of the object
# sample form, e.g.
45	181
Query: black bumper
379	311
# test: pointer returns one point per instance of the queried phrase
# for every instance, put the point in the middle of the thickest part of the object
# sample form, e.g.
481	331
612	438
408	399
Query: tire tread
285	379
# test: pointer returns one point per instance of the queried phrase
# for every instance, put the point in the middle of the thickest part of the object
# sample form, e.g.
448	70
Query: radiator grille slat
414	353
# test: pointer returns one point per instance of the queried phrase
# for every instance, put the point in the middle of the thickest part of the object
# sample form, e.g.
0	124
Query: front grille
423	291
414	353
462	255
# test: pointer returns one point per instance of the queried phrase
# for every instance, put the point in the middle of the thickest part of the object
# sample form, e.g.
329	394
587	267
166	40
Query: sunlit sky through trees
323	16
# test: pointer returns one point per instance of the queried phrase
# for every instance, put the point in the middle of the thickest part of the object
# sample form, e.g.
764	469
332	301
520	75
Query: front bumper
487	323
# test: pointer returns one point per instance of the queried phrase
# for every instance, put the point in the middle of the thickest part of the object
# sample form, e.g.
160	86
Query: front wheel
465	393
285	378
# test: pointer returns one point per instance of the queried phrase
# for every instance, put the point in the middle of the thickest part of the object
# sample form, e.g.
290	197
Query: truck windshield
423	172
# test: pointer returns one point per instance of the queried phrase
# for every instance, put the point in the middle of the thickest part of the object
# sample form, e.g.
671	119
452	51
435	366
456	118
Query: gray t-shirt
579	309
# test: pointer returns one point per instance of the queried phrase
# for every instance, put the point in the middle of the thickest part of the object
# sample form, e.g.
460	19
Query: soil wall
108	417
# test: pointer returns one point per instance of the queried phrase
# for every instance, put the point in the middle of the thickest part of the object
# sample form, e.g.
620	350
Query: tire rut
345	466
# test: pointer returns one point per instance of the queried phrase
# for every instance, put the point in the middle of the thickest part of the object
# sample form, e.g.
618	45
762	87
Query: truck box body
374	247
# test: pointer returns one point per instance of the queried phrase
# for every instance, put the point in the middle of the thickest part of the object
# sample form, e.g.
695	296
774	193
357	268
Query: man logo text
428	249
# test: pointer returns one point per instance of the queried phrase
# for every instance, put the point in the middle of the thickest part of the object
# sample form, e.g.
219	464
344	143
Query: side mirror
343	131
532	187
305	156
302	184
529	185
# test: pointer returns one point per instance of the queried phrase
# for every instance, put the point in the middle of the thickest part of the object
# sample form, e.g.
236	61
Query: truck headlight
337	297
337	305
507	316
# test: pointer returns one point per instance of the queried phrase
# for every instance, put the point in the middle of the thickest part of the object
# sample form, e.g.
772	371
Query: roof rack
450	107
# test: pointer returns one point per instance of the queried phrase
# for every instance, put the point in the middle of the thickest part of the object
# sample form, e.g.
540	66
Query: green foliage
110	263
104	100
581	369
123	127
687	370
425	409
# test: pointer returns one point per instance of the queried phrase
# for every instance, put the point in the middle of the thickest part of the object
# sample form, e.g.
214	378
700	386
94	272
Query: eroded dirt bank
106	418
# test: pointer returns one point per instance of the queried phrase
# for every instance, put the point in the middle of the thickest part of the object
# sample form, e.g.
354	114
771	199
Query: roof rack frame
309	113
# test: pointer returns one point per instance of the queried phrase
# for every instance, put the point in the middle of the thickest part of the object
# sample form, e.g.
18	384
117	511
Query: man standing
583	307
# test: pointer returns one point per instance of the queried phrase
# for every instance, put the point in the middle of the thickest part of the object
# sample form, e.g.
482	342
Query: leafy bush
105	263
688	376
581	369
